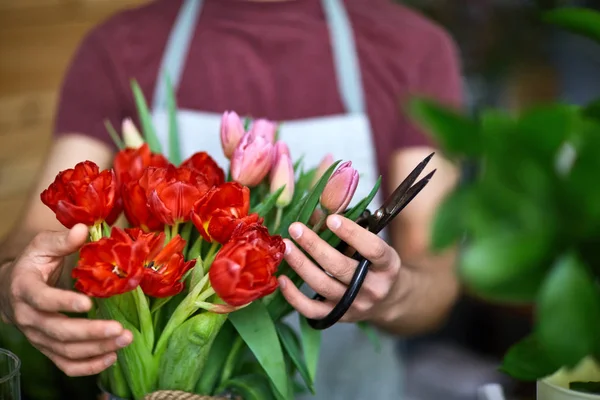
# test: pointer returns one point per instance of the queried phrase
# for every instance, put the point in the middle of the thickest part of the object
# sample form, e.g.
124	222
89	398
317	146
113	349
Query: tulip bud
322	168
232	131
251	160
280	149
131	136
283	174
340	188
264	128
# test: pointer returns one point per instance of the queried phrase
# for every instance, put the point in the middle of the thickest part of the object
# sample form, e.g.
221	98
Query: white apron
349	367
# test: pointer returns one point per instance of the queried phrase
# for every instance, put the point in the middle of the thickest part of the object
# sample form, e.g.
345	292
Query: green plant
531	220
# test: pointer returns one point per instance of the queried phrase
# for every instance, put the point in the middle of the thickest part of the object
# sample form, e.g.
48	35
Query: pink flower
131	136
283	175
280	149
340	188
251	160
322	168
264	128
232	131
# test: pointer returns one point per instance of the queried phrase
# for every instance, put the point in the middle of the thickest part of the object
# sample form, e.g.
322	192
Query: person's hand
77	346
378	294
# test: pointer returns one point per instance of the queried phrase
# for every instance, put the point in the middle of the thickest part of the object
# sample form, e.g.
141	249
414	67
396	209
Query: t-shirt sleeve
90	93
440	79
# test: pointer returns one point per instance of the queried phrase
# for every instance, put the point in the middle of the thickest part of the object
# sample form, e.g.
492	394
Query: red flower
112	265
221	210
164	265
173	191
135	202
244	269
129	164
83	195
204	164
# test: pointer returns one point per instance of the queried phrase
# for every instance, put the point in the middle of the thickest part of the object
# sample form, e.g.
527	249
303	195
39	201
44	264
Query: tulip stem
96	232
232	360
317	227
210	256
175	230
278	215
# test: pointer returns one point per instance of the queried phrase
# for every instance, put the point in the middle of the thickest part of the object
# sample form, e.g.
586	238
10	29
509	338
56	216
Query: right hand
77	346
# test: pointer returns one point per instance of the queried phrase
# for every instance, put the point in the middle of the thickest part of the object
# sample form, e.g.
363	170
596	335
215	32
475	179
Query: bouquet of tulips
191	270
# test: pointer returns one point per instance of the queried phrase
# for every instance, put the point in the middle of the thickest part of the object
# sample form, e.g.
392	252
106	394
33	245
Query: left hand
377	295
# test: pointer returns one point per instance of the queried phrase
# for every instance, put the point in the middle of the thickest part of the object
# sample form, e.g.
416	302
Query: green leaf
458	135
311	344
256	327
371	333
264	207
114	135
592	110
582	21
544	129
568	312
146	119
174	146
528	361
298	163
292	347
216	359
506	266
251	387
585	387
449	225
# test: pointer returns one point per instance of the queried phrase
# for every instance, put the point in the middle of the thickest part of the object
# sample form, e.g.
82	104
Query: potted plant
529	224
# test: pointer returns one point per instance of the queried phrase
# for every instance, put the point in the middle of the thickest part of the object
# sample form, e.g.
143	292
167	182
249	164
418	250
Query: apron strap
342	43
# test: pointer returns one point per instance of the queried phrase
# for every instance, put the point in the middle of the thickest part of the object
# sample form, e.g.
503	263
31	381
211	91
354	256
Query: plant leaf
457	134
264	207
585	387
371	333
114	135
256	327
174	146
292	347
216	359
568	312
582	21
448	225
146	119
528	361
311	344
251	387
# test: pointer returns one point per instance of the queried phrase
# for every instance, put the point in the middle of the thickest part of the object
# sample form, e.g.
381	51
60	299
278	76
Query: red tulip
83	195
203	163
251	160
340	188
232	131
130	163
173	191
164	265
135	203
244	269
110	266
221	210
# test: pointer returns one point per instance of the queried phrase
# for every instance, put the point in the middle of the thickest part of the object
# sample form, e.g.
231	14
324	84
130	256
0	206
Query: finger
75	330
79	350
90	366
58	244
312	275
33	290
312	309
369	245
331	260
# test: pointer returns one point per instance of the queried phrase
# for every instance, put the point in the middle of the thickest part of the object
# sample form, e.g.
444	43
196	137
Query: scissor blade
403	188
401	203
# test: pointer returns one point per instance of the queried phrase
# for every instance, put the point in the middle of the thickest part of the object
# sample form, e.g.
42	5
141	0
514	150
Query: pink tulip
264	128
131	136
251	160
322	168
232	131
280	149
340	188
283	174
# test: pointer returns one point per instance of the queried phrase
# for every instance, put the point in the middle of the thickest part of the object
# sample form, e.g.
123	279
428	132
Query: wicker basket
178	395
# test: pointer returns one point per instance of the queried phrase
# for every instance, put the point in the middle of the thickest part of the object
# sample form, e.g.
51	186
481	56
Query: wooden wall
37	40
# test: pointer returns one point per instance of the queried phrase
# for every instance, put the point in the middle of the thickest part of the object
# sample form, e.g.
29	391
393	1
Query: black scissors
374	222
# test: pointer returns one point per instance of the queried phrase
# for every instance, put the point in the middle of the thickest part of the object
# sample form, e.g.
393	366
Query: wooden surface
37	40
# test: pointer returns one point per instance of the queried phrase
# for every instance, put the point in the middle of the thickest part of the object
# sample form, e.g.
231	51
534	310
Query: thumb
59	244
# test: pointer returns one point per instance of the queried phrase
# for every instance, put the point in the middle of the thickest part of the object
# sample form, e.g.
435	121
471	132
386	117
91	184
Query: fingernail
123	340
80	305
282	282
334	222
113	330
288	247
110	360
295	231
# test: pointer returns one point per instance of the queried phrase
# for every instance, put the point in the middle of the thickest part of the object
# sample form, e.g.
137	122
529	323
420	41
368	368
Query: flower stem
175	230
232	359
96	232
195	249
320	223
210	256
144	316
278	215
197	273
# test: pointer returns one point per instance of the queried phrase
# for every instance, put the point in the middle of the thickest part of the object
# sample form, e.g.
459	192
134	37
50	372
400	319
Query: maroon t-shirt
265	59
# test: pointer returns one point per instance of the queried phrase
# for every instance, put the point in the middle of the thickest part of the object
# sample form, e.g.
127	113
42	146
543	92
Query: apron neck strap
342	43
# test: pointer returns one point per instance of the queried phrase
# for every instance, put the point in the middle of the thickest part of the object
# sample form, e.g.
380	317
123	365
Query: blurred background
510	60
